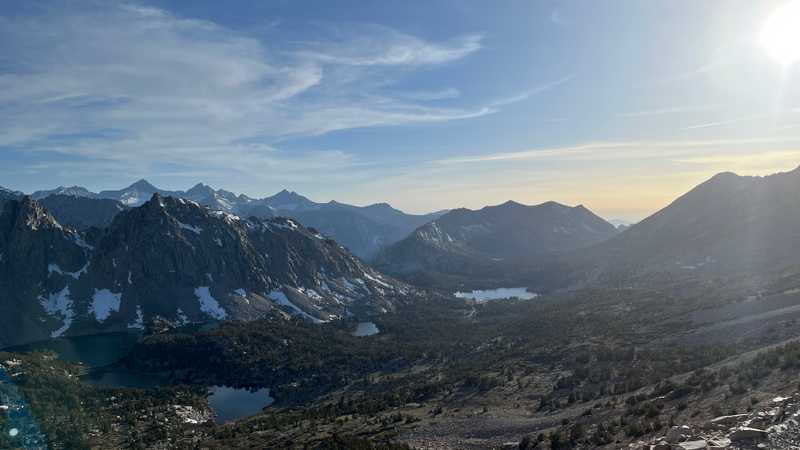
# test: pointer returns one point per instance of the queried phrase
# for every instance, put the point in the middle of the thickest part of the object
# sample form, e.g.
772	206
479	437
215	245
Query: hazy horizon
620	106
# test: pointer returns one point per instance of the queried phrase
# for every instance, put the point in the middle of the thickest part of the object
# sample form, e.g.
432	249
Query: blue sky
617	105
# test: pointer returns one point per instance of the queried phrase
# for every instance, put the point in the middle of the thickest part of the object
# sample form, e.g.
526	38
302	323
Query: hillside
494	244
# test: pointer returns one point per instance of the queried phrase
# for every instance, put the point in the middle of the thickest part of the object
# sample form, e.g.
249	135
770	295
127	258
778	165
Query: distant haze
619	106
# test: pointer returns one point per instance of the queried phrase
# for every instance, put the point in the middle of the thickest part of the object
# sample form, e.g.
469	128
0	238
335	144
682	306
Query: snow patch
209	304
289	225
193	229
54	268
104	302
280	298
310	293
181	318
81	243
228	218
59	305
377	280
138	323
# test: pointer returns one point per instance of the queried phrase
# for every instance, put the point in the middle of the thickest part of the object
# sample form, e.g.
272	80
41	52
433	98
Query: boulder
692	445
728	421
780	400
678	434
747	434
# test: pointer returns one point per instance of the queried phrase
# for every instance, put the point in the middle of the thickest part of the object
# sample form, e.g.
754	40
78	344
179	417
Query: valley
336	351
399	225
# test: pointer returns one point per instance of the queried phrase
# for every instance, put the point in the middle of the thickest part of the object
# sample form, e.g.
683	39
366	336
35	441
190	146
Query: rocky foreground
776	426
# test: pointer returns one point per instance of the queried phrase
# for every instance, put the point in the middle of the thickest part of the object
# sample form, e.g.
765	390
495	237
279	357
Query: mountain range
490	245
364	230
175	260
728	224
76	263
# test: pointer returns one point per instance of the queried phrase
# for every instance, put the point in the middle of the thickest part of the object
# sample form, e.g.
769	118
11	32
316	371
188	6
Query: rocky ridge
175	260
775	427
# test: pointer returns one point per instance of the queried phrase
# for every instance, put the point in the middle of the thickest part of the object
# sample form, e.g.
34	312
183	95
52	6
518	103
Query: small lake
497	294
98	352
366	329
93	351
232	404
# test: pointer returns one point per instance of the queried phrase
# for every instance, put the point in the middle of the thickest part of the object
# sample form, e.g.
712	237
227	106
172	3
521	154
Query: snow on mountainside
363	230
135	194
174	259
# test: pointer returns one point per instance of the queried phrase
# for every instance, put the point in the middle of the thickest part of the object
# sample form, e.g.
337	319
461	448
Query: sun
781	34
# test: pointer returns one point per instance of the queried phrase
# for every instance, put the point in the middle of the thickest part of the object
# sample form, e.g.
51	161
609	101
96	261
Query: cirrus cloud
119	83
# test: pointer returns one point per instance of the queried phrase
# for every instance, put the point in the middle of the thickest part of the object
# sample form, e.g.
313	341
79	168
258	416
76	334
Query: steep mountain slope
493	242
363	230
82	212
728	223
34	246
177	260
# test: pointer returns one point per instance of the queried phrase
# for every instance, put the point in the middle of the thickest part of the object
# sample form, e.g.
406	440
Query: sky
617	105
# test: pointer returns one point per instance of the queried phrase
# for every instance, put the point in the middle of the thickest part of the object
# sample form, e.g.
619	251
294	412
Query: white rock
693	445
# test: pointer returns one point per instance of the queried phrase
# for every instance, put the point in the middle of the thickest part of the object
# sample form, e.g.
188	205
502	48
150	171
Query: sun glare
781	34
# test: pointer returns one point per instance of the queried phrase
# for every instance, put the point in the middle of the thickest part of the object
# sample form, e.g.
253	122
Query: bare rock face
36	255
175	260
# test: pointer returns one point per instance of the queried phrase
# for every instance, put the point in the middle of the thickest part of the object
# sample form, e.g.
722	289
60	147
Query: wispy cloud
747	160
136	85
668	110
536	90
721	123
391	48
624	149
443	94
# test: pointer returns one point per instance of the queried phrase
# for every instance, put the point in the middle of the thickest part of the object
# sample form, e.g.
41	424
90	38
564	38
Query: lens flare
781	34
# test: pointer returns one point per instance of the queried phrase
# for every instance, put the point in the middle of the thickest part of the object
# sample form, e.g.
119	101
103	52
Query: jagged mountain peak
31	214
200	188
143	185
363	230
175	259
